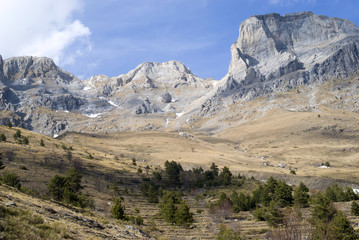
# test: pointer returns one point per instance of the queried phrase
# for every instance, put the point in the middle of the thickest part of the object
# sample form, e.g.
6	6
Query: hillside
189	158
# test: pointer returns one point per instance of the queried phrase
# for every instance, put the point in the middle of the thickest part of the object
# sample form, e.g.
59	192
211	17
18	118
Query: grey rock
166	97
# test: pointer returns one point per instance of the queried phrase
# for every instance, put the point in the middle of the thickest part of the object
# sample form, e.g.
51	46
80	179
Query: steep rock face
1	70
274	46
276	53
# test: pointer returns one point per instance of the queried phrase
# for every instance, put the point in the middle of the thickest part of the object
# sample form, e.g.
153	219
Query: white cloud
43	28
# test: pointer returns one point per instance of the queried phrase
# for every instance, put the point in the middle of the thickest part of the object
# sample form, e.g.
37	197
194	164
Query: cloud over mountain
43	28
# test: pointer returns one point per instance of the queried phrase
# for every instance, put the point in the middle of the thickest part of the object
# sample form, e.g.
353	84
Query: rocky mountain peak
34	68
153	74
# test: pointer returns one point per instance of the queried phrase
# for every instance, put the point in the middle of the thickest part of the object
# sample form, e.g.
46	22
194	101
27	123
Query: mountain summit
272	54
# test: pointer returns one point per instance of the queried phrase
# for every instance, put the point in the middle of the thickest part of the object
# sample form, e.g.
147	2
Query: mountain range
313	57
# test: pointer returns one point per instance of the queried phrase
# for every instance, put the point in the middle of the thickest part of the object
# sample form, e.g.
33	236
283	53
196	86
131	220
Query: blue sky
111	37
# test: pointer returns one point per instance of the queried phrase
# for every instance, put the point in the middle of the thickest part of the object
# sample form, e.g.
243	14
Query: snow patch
167	122
214	83
87	88
112	103
55	135
179	114
94	115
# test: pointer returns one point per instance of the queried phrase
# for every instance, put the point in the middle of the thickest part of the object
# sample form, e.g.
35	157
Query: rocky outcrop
166	97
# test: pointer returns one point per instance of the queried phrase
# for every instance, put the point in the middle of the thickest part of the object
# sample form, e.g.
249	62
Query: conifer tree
118	210
301	196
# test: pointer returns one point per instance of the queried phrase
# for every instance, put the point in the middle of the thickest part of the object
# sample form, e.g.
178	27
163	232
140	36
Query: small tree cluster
173	172
212	177
271	214
174	210
337	194
19	138
242	202
329	223
150	190
274	190
68	189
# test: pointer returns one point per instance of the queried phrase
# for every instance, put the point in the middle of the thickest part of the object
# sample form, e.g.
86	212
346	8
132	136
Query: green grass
21	224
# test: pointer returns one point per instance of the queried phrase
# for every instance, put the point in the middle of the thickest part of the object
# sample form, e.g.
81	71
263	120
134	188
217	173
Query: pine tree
118	210
340	228
183	215
283	194
168	210
301	196
214	169
225	176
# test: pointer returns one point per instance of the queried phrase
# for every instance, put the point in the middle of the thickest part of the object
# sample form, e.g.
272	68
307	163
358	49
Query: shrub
292	172
17	134
226	233
42	143
139	220
2	165
2	138
11	179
